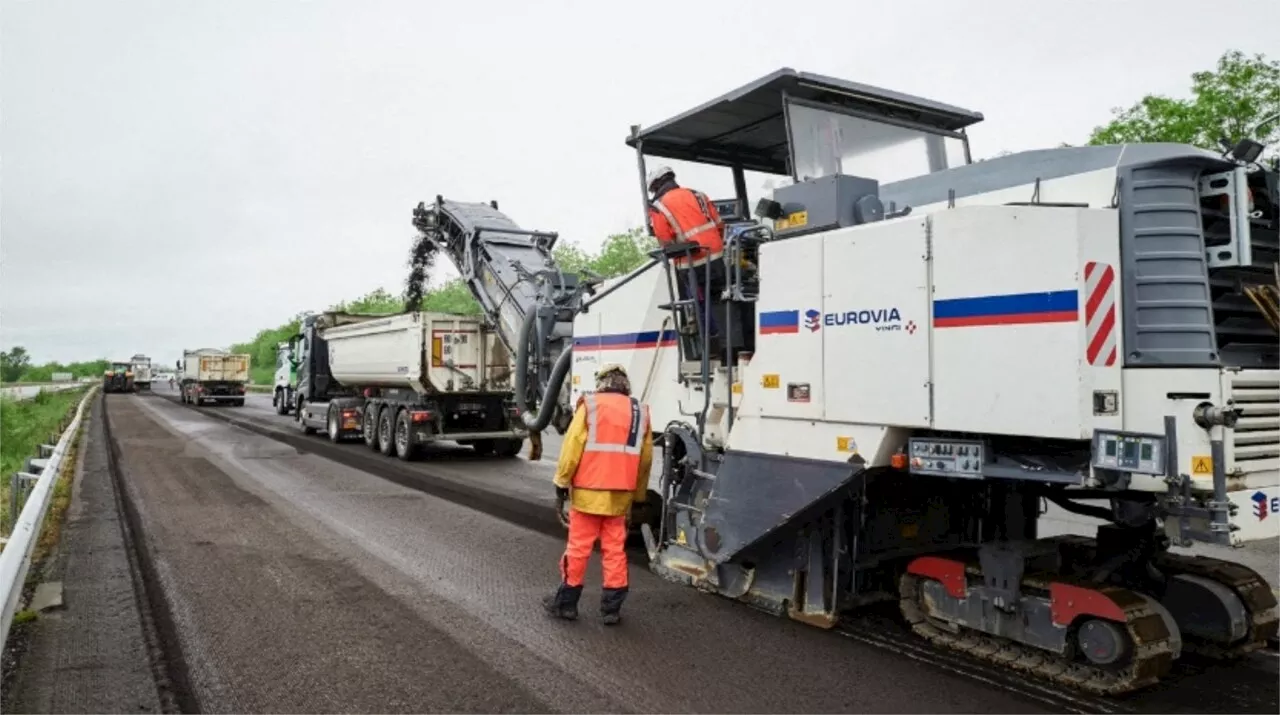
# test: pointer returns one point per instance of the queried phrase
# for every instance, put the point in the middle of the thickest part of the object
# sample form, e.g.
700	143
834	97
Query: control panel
945	458
1128	452
730	211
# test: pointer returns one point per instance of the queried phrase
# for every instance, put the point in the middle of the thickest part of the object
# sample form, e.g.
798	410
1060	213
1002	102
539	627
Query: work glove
562	494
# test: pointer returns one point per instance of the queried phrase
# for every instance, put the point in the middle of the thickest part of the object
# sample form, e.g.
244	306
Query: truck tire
239	402
302	423
508	448
483	447
386	431
369	426
281	402
332	428
406	447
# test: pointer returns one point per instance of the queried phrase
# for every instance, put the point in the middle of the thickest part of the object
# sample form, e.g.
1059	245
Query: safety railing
15	559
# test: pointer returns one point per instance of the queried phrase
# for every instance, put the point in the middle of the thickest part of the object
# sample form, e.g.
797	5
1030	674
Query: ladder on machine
691	316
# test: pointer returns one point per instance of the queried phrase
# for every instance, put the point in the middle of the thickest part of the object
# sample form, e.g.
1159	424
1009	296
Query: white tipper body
141	366
981	319
212	365
423	352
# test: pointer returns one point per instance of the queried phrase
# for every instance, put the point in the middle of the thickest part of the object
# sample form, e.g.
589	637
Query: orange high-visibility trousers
584	529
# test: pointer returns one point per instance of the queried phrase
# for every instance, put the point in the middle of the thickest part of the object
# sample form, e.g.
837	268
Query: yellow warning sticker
1202	465
771	381
846	444
737	388
795	220
577	379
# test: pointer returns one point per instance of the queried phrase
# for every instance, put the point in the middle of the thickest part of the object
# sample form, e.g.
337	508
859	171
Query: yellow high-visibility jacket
598	501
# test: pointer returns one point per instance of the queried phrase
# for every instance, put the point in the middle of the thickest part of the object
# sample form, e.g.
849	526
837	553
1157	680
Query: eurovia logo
1263	505
883	320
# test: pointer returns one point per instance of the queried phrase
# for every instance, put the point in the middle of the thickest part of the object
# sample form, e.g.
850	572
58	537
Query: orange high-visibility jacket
616	429
682	215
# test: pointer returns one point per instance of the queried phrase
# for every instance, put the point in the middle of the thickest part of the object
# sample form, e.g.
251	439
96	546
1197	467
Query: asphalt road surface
301	583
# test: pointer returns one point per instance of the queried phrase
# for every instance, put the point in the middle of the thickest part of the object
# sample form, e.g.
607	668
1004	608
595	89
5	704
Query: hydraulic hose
538	422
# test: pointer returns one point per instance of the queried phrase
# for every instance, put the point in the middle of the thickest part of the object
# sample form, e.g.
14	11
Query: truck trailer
915	353
403	381
213	375
141	366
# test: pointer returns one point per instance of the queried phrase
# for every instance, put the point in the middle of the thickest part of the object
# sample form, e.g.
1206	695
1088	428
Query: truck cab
286	379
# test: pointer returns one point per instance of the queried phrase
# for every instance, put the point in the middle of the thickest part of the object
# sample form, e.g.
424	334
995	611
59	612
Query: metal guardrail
15	560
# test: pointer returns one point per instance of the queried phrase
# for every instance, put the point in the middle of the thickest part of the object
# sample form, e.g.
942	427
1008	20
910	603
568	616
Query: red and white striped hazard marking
1100	314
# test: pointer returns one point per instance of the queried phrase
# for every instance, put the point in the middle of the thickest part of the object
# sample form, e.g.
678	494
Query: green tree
1227	102
620	254
452	297
13	363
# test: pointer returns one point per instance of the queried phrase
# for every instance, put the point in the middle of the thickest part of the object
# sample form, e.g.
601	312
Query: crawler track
1152	656
1251	588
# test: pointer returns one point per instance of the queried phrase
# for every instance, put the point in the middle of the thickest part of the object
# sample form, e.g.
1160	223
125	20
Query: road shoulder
90	655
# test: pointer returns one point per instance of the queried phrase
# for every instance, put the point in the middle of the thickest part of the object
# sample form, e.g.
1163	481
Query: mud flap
535	447
650	543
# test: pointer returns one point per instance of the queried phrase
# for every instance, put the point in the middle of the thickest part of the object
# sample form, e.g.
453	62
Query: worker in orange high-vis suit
680	215
603	469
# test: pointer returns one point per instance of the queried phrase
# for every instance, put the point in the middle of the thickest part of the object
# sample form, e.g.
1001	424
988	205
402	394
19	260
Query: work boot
611	605
563	603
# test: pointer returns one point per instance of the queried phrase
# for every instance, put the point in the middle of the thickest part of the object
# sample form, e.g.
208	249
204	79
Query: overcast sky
182	174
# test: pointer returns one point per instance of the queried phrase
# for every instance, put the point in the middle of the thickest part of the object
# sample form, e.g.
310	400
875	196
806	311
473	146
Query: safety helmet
611	368
659	173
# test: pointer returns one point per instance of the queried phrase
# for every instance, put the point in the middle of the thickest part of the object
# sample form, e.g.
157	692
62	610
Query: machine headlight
1130	452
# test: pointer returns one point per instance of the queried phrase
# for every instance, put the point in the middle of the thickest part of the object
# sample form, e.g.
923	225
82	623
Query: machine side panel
1008	332
627	327
756	494
789	332
1098	276
1168	313
874	314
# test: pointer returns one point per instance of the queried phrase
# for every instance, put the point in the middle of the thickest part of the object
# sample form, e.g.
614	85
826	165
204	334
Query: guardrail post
46	451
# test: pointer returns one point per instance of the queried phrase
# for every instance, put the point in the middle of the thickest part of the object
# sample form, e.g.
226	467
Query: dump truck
214	376
915	352
403	381
118	377
141	366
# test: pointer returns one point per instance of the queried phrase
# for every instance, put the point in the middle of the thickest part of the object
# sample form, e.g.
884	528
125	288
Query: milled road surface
302	585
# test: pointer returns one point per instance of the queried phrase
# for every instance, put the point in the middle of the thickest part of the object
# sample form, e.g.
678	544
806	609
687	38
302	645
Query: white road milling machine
915	354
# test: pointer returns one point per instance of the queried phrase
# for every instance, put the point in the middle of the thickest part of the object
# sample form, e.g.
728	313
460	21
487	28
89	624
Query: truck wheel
281	403
483	446
302	422
240	402
331	422
406	448
508	448
369	426
386	431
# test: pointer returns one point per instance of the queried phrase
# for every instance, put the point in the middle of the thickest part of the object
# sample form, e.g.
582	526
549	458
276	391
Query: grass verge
25	620
24	426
